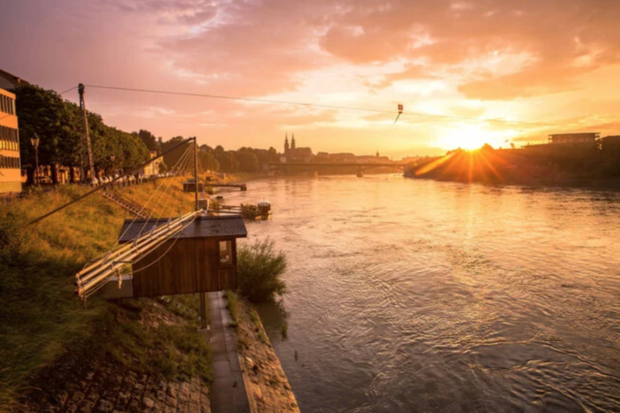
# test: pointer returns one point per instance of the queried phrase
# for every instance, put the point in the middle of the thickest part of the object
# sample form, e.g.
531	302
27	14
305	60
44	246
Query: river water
423	296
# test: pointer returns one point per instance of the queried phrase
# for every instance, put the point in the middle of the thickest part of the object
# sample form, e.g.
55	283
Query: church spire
293	141
286	143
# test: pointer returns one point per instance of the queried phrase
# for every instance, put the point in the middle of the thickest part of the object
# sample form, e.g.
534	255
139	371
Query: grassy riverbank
41	320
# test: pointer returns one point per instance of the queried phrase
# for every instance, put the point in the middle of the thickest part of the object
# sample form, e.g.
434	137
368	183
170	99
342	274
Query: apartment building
10	164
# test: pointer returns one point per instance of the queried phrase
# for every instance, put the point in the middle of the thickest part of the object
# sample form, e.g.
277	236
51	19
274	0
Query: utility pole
203	296
86	132
196	172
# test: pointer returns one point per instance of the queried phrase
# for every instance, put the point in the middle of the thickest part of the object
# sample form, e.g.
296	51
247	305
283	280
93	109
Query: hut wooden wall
192	265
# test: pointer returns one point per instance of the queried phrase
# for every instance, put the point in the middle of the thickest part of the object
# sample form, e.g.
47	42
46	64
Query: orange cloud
474	58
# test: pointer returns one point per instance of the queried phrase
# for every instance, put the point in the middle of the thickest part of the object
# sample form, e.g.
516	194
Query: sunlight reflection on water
409	295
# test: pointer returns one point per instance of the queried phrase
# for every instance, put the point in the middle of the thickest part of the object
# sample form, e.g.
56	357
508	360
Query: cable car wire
318	105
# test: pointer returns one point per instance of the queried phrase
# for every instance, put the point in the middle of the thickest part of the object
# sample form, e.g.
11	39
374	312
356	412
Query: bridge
360	166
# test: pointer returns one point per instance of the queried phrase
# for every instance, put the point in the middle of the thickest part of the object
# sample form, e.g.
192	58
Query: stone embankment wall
108	390
265	381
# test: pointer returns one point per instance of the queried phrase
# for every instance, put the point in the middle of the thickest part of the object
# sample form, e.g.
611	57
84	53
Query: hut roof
202	227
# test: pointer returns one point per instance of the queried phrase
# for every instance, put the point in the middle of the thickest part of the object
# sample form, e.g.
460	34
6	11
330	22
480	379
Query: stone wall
265	381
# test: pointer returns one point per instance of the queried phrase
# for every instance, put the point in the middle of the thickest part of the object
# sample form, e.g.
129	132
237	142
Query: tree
227	161
247	160
171	159
60	126
148	139
54	121
206	148
208	162
273	155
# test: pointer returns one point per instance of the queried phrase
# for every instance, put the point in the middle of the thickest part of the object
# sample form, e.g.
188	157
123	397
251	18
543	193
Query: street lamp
35	142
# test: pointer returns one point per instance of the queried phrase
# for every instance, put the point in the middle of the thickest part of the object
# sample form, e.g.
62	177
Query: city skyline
545	67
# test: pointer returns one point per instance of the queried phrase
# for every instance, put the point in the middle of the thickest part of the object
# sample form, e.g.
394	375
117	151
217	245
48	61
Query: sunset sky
542	66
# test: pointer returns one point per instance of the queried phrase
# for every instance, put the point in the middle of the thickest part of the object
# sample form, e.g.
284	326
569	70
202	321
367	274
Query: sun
466	137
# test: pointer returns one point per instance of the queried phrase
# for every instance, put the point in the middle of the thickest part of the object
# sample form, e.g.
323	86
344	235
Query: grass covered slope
145	354
40	316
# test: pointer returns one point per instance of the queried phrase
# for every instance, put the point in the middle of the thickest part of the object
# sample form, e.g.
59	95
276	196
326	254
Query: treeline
215	159
59	125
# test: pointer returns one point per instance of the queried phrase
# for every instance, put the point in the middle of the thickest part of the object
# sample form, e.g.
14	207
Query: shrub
231	303
260	269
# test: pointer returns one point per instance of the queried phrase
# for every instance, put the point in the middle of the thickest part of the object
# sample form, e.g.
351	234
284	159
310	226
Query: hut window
225	252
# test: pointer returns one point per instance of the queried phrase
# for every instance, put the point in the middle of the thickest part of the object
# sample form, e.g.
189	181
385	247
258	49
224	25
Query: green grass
257	324
173	351
40	317
232	305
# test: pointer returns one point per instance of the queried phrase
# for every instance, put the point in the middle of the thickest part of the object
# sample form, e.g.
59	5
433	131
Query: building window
226	252
6	105
9	162
9	139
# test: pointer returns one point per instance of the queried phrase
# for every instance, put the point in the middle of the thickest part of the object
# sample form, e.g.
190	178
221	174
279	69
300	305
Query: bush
260	269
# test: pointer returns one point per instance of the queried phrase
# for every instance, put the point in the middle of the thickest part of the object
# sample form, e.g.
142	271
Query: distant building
574	138
372	159
10	163
611	144
566	144
343	157
408	159
294	154
153	167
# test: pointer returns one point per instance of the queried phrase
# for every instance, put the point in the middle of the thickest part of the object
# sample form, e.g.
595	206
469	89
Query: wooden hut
201	258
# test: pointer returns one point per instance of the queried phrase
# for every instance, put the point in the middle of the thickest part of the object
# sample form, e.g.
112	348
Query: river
422	296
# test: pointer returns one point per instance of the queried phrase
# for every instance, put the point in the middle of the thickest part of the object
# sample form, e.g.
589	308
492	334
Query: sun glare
467	137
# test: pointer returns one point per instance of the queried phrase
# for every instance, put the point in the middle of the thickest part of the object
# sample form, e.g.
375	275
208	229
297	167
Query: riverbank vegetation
243	160
41	319
260	270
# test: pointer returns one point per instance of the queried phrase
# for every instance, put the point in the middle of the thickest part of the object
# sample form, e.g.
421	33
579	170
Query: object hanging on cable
400	112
